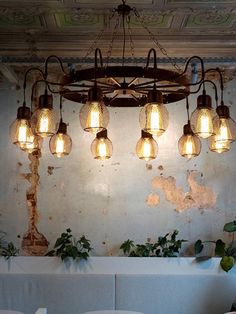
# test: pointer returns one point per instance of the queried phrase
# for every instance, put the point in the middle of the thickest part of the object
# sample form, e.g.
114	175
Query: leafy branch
166	246
227	252
7	249
67	246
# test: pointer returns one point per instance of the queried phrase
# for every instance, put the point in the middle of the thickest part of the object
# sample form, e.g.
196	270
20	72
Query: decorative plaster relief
198	195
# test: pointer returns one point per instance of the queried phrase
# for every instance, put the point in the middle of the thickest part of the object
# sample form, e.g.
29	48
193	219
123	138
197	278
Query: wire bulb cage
146	148
101	146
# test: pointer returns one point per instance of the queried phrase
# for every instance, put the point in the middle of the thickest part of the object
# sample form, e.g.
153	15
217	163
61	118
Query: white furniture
113	312
146	285
9	312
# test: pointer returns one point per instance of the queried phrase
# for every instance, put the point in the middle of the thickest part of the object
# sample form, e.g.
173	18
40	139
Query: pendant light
189	144
224	125
101	146
44	118
154	117
60	144
146	147
202	116
94	116
34	146
20	130
217	146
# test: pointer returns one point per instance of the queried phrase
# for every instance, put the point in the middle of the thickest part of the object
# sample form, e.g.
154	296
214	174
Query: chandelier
149	87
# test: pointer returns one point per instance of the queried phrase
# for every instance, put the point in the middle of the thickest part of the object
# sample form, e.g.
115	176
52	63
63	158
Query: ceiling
35	29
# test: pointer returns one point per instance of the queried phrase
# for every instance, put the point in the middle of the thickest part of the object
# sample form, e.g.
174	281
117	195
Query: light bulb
224	125
202	117
189	144
154	117
44	119
94	116
218	146
203	125
60	143
101	146
20	130
146	147
35	145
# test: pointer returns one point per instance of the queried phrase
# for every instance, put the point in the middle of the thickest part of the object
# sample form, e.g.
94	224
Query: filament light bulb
154	117
146	147
60	143
101	146
189	144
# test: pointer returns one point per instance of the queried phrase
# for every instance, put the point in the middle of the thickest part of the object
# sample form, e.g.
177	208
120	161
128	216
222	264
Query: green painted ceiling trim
90	20
155	20
19	20
217	20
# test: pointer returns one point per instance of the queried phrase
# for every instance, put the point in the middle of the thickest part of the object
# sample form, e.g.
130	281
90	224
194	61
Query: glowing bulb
22	132
101	146
204	125
223	133
189	147
146	147
146	150
43	124
189	144
94	119
60	143
154	118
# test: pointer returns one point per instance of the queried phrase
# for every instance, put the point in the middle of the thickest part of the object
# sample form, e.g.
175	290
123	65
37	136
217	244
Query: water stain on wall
198	196
153	200
33	242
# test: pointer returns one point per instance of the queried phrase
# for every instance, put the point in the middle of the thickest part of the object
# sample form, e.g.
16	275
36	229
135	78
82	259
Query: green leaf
127	246
227	262
230	226
220	248
198	247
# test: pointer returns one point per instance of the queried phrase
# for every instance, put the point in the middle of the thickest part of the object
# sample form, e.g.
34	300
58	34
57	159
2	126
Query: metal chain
154	39
130	38
109	51
98	37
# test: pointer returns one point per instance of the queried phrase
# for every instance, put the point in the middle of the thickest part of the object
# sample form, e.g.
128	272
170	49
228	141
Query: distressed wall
123	197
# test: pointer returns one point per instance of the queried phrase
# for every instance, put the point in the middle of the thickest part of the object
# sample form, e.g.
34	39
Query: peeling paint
33	242
198	196
153	200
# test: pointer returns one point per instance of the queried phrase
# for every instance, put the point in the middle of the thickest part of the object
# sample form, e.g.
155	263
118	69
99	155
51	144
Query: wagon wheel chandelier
149	87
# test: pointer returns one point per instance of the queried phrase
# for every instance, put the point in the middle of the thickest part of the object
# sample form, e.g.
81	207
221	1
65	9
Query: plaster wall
123	197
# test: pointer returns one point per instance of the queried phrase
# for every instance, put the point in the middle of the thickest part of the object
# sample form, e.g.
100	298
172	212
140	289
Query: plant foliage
7	249
66	246
227	252
166	246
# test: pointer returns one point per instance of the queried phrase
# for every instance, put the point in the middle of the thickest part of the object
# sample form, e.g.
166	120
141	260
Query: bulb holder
62	128
187	130
23	112
95	94
145	134
102	134
46	101
223	111
155	96
204	101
